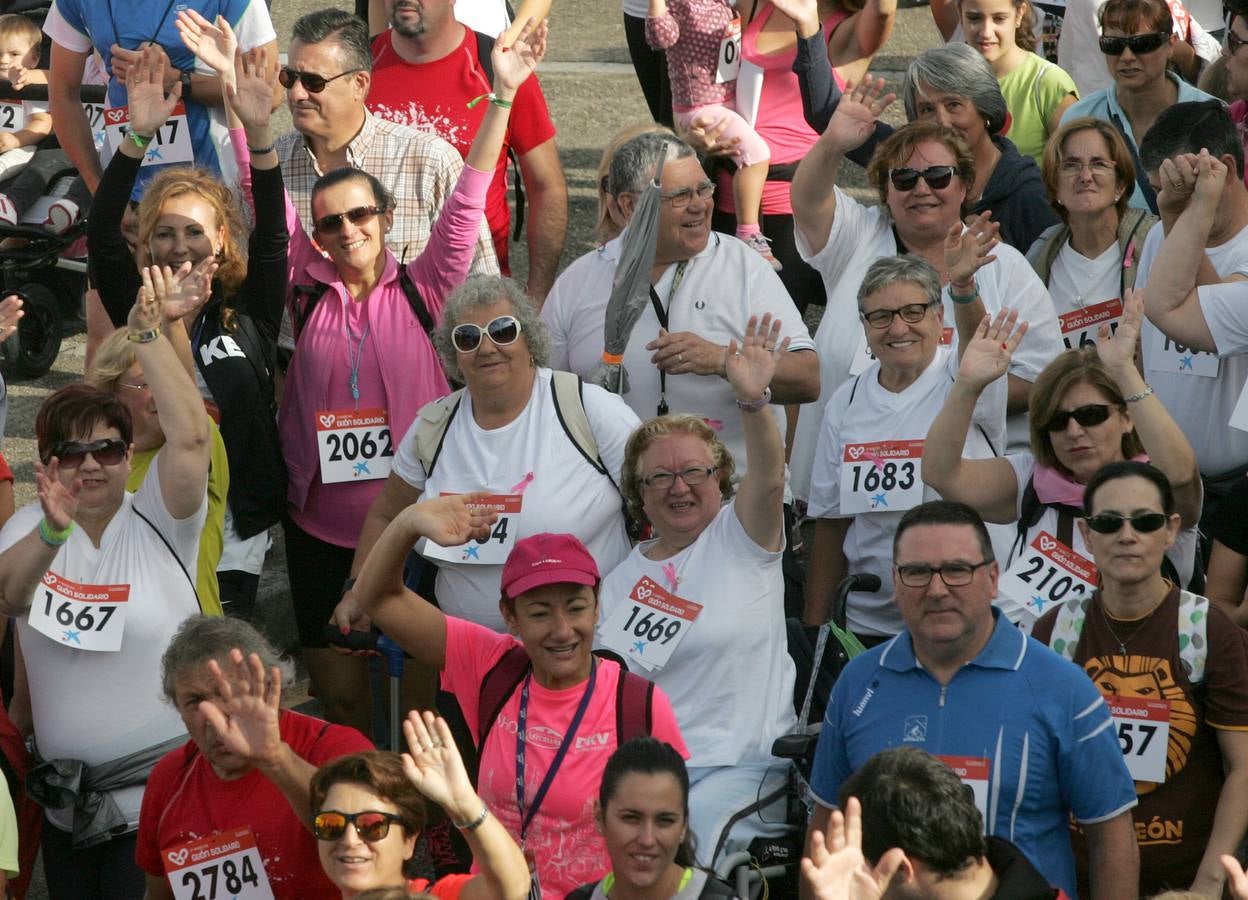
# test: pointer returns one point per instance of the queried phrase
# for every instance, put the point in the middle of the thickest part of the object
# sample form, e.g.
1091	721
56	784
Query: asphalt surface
592	92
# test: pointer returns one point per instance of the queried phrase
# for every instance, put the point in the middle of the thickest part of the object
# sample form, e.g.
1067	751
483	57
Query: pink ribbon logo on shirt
523	485
669	575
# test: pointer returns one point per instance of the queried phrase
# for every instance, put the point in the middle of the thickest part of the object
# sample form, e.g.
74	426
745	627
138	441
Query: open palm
987	356
514	64
857	112
213	44
251	95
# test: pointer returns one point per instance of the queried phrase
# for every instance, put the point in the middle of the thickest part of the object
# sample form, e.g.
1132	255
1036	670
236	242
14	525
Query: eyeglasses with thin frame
682	198
937	177
371	825
1233	41
1138	44
955	574
332	223
880	319
501	331
1141	522
692	476
1073	167
312	83
72	454
1087	416
141	387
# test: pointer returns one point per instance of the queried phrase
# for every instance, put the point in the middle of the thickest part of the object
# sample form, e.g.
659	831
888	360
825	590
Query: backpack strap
567	391
1194	624
435	418
485	46
498	684
1068	627
306	296
177	559
1132	222
634	707
415	300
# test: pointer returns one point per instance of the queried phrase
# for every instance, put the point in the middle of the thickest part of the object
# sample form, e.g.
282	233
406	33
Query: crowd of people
588	517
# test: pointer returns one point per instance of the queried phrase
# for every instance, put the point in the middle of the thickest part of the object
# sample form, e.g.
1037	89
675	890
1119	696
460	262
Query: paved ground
592	93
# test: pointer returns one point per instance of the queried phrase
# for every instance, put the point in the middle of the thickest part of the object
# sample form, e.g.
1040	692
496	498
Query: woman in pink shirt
363	367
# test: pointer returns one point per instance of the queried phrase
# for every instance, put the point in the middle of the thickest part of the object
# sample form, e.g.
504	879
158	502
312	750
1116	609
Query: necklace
1122	642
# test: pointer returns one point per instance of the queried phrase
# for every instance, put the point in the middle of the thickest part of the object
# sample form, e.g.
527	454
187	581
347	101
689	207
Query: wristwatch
185	78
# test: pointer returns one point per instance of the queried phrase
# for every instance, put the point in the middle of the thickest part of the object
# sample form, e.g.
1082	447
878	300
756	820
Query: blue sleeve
1095	784
831	759
72	12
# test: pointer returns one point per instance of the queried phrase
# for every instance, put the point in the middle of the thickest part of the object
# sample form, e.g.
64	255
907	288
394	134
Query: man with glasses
1174	668
1025	730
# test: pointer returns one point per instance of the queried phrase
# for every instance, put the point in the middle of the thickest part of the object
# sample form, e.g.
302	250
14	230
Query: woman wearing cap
556	710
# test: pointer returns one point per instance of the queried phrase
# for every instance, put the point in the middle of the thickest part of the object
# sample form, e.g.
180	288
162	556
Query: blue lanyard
526	816
354	354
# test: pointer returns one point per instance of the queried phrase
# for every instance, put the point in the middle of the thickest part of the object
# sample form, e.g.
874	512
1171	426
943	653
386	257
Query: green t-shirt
212	540
1032	91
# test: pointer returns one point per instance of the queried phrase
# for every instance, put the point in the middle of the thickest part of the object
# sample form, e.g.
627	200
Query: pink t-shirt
781	123
568	848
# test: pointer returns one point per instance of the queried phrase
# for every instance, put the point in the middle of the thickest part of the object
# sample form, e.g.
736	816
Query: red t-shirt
447	888
434	97
185	800
6	474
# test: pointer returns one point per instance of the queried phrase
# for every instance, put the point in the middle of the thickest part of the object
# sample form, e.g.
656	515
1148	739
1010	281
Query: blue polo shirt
1037	721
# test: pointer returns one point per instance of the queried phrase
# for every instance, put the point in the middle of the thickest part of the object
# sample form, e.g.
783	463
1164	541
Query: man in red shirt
426	68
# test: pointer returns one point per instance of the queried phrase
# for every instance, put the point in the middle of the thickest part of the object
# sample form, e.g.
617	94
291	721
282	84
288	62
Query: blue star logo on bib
1186	363
154	154
639	646
72	636
1038	602
471	552
361	468
878	500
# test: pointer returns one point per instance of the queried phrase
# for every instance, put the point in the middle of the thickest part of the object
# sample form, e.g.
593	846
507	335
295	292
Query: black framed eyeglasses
312	83
107	452
954	574
882	318
332	224
1233	42
1136	43
1111	522
682	198
937	177
371	825
502	331
1087	416
692	476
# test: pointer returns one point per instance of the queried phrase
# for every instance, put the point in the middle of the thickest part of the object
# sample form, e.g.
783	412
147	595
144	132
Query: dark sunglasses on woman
1086	416
1136	43
332	224
107	452
937	177
502	331
1111	523
370	825
312	83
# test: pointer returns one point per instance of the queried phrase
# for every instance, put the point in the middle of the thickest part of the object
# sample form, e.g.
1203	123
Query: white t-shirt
864	411
1182	554
859	236
99	706
1200	405
486	16
721	288
1076	283
532	456
730	679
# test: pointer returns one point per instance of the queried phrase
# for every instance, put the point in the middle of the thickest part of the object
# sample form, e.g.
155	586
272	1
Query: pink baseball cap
547	559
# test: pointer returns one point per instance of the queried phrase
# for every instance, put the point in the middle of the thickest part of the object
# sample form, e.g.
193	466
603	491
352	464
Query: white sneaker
62	214
8	212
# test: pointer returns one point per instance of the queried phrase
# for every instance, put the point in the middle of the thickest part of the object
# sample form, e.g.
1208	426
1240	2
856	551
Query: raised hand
434	765
250	91
800	11
1117	348
969	250
245	714
451	520
10	314
146	312
858	111
214	45
749	368
1176	178
59	503
1211	175
987	357
149	107
834	867
189	288
705	134
514	64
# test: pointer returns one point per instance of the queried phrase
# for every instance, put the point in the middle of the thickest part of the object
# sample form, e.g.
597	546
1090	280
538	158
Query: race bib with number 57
1143	726
490	551
170	144
226	866
650	625
82	616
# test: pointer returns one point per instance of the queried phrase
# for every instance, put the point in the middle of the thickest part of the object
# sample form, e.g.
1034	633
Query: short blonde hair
661	426
23	27
114	356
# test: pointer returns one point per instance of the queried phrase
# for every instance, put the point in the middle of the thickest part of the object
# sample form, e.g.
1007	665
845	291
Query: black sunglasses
370	825
1111	523
937	177
107	452
1136	43
502	331
312	83
332	224
1087	416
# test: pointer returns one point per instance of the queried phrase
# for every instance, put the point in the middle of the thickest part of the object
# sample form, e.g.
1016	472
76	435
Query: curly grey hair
957	69
486	290
635	160
905	269
203	638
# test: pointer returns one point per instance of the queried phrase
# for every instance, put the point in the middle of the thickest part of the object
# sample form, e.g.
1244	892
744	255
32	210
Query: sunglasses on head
332	224
312	83
107	452
370	825
502	331
937	177
1136	43
1086	416
1111	523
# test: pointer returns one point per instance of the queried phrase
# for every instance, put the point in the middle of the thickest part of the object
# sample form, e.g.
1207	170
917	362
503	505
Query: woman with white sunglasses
363	367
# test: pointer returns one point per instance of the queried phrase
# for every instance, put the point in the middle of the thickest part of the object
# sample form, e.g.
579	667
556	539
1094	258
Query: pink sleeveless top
780	120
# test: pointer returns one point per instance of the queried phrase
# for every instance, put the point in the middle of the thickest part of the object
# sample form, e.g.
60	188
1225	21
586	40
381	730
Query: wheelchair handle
865	582
368	640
